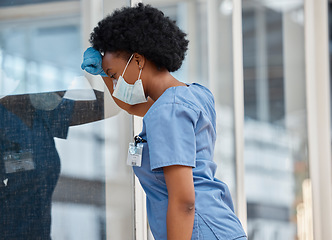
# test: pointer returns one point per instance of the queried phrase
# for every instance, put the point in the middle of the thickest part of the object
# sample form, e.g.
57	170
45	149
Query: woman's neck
159	82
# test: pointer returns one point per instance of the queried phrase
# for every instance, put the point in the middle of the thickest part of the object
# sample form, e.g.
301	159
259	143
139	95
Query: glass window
277	177
61	167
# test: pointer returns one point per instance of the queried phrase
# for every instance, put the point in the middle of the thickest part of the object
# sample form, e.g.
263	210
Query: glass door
63	142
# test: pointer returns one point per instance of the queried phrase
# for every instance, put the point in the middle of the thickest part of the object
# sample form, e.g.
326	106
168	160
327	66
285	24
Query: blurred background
41	47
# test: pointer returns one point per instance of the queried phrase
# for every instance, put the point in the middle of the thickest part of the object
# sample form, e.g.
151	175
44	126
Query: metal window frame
238	88
318	114
141	220
40	10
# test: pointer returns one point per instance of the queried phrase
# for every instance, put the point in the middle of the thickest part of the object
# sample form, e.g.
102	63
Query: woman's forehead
113	59
110	56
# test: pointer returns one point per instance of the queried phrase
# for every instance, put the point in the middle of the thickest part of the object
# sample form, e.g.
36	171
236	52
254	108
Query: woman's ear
139	60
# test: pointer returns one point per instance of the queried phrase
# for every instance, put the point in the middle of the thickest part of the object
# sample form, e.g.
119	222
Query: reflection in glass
63	176
30	164
276	161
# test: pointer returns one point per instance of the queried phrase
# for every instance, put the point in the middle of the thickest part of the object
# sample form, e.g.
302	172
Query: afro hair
144	30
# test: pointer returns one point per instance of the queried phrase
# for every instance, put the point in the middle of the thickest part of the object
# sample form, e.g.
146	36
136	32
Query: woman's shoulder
196	94
193	97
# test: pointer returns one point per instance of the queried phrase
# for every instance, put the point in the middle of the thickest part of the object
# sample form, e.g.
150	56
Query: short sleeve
58	120
170	133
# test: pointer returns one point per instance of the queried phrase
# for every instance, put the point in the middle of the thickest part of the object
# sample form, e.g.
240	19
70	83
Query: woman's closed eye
111	75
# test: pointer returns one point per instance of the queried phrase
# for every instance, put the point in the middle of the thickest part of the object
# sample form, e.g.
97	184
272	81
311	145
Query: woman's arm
181	202
137	109
88	111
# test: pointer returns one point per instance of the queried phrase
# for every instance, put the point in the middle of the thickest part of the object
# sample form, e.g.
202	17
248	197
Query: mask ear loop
139	75
115	81
127	64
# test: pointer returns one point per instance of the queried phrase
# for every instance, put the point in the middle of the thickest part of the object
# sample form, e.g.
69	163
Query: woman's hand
92	62
181	202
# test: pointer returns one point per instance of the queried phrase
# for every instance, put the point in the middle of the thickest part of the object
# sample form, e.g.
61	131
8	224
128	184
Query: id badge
18	161
135	154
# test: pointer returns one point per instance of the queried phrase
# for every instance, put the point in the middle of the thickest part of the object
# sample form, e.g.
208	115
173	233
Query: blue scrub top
25	203
180	129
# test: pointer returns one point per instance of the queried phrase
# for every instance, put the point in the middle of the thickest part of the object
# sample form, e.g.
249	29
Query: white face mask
130	93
